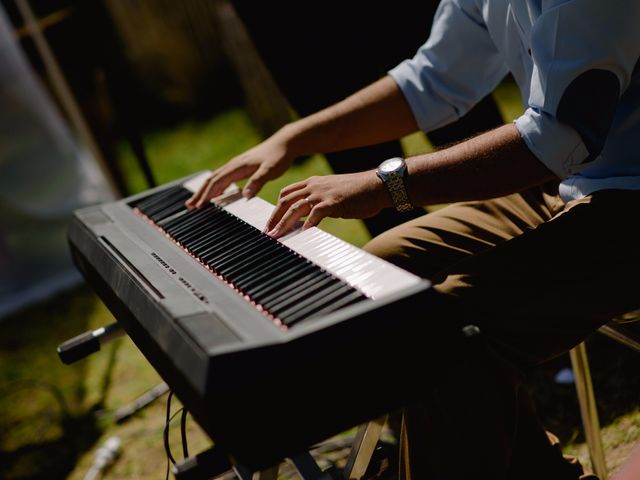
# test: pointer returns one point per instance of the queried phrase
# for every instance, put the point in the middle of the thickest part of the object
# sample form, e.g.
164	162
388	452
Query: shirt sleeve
584	54
457	66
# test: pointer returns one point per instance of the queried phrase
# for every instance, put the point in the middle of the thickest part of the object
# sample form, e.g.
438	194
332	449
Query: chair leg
588	410
363	448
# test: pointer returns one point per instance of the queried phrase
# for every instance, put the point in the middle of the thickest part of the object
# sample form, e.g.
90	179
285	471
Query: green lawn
54	416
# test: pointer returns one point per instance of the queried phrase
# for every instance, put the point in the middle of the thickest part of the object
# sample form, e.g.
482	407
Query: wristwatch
392	172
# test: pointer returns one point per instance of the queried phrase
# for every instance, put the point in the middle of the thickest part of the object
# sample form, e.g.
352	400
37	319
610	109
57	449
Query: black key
285	279
222	248
192	224
264	249
283	301
170	200
189	218
270	256
219	231
301	293
170	210
305	281
258	278
280	280
209	225
315	301
197	233
175	223
237	269
155	198
172	218
332	303
217	253
322	302
229	247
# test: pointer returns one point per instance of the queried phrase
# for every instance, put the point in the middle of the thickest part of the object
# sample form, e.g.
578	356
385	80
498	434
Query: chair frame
369	433
586	394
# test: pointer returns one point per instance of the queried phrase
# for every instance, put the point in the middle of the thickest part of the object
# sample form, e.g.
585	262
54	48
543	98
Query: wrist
292	137
379	192
392	173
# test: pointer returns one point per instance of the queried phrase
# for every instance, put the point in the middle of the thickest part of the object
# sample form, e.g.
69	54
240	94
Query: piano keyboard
308	274
224	313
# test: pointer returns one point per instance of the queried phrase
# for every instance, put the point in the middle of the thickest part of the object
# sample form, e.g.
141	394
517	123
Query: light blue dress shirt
576	64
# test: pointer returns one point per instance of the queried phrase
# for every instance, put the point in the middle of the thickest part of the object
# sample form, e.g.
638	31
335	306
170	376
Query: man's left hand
353	195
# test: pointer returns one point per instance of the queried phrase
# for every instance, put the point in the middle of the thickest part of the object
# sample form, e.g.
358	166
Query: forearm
375	114
490	165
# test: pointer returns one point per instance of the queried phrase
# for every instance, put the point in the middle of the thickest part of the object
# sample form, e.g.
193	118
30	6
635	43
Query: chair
624	330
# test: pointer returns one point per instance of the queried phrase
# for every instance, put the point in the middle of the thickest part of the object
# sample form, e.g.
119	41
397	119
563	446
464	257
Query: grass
54	417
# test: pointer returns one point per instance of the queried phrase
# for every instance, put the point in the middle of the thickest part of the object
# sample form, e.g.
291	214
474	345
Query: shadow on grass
52	459
46	421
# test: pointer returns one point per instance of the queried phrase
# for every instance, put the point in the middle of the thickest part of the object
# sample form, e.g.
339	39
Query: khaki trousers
537	276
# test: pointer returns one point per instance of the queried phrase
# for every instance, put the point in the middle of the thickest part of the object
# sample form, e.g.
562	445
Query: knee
415	248
389	248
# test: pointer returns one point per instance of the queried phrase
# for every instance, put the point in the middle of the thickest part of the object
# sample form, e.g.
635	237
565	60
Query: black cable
183	432
167	448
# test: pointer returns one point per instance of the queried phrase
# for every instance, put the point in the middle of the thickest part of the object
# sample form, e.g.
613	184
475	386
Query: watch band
398	192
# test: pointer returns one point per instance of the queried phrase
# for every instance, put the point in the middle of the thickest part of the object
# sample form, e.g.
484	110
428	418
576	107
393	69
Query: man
536	250
335	55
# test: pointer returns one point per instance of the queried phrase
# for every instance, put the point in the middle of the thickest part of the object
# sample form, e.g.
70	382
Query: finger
318	212
220	181
205	194
294	187
191	202
256	182
282	206
298	210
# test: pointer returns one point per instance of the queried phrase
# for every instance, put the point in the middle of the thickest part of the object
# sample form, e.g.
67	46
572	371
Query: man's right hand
266	161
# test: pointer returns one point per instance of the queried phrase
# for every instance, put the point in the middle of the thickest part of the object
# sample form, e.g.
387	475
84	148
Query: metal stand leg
308	468
588	410
269	474
124	413
363	447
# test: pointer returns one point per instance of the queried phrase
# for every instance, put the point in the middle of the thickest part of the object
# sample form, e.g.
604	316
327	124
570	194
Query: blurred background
102	99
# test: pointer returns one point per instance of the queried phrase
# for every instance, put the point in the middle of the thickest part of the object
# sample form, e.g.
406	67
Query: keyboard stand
308	469
212	463
364	444
269	474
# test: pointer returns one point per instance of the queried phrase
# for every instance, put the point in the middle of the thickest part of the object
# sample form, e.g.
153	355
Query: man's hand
353	195
262	163
375	114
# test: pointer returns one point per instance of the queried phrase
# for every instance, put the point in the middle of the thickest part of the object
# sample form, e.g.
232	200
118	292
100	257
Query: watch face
391	165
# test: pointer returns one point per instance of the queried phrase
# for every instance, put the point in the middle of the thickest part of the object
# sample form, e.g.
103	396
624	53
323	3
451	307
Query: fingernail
247	193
